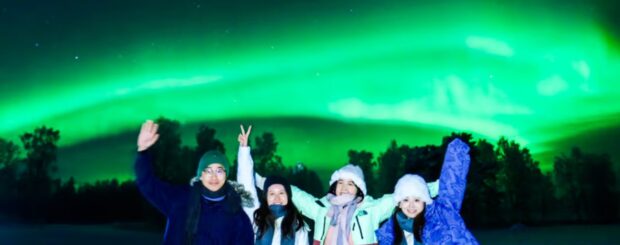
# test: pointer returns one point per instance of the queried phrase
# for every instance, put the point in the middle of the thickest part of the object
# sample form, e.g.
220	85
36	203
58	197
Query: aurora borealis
324	76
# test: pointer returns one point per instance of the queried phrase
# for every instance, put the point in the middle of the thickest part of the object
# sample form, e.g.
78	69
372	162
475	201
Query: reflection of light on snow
489	45
551	86
168	83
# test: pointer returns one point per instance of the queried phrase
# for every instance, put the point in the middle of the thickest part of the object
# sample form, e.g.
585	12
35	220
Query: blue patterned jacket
444	224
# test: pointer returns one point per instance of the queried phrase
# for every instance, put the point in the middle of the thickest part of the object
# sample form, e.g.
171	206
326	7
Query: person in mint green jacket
346	215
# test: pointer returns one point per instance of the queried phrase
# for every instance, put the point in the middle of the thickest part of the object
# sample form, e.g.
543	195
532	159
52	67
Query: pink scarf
342	210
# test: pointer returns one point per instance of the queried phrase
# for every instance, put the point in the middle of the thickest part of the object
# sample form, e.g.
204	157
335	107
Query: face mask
277	210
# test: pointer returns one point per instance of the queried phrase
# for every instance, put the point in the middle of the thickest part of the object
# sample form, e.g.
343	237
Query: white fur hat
411	185
351	172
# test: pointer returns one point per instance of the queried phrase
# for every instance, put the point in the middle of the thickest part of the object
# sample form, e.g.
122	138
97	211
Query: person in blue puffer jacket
418	219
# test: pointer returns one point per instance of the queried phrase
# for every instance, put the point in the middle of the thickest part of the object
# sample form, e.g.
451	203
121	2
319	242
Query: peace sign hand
244	136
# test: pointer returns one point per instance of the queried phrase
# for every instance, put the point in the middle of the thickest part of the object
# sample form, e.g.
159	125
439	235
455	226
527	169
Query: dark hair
264	219
418	226
231	203
332	190
191	222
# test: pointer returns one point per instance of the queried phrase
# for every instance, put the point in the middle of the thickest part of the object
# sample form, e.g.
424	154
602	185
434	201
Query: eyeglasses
218	171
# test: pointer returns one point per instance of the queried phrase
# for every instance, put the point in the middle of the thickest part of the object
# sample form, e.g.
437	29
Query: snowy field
112	234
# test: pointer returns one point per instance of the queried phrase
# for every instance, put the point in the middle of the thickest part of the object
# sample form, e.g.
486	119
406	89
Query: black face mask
277	210
215	195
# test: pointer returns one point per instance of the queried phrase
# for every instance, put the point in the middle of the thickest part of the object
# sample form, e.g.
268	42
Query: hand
458	146
244	136
148	135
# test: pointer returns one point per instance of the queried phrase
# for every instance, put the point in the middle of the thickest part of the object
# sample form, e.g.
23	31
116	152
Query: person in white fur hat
346	215
418	219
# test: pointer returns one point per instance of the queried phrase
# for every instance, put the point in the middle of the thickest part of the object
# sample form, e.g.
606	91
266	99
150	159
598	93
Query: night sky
323	76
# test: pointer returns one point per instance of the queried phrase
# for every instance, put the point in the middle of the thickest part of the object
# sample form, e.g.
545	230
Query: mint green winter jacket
366	219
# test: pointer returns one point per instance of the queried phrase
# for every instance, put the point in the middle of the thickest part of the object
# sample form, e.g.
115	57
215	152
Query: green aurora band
367	74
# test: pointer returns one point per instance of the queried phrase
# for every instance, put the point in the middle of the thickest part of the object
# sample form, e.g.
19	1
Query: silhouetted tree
307	180
519	181
36	185
425	161
266	161
482	199
64	203
599	190
9	161
567	175
364	160
585	184
390	167
206	141
169	164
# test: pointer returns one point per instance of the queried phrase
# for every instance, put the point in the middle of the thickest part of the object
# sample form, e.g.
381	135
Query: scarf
226	195
341	211
406	224
278	211
214	196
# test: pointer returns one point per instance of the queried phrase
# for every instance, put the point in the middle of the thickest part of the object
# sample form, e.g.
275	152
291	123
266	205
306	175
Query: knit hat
411	185
209	158
272	180
351	172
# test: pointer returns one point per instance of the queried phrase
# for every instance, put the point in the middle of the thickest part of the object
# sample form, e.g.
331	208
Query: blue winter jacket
215	225
444	224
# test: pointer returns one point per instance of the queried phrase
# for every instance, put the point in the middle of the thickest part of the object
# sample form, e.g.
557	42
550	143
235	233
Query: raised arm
383	208
157	192
245	171
307	204
453	178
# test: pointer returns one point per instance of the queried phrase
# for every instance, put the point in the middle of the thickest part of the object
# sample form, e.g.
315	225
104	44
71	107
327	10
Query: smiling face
346	186
276	194
411	206
213	177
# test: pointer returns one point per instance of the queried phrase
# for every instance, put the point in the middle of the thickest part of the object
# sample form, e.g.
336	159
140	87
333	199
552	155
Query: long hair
231	203
264	219
193	213
358	193
418	225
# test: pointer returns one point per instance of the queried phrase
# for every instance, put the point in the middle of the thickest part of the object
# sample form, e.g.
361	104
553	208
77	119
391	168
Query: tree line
505	184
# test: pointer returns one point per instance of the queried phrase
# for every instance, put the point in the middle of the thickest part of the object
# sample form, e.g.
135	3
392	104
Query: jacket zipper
323	236
358	224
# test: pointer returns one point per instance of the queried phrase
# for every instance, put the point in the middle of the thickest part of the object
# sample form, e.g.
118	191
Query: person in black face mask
276	219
